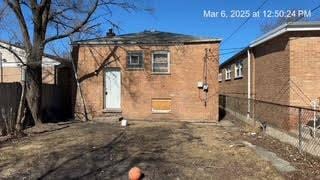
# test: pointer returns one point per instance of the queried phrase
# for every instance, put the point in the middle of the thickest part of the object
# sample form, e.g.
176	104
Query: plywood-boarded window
161	105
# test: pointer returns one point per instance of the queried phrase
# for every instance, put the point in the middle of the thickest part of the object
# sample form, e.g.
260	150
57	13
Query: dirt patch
162	150
308	166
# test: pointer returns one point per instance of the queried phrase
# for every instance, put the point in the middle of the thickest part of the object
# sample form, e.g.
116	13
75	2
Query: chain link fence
298	126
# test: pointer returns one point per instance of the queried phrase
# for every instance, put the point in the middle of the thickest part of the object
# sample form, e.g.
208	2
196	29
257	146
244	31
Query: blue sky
186	16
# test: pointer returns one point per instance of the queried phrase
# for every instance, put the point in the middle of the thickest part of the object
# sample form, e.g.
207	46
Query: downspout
249	83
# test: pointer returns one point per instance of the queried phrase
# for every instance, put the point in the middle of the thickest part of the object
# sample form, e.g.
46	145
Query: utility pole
249	83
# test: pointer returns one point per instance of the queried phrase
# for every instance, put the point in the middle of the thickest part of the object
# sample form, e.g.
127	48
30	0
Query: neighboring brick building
11	69
284	65
152	76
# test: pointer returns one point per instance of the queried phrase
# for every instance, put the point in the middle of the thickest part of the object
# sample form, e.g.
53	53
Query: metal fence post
253	113
300	135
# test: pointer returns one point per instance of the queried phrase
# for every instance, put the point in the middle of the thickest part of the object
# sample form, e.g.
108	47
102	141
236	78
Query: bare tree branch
55	20
78	27
105	62
14	53
16	8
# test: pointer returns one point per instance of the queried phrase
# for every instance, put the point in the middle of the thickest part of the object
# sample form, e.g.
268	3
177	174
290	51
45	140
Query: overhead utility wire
241	25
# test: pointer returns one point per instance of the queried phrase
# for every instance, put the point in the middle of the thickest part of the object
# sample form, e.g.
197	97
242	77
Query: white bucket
124	122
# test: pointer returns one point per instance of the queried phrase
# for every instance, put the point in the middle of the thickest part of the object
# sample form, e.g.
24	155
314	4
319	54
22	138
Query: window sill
239	77
161	112
109	110
135	69
227	80
153	73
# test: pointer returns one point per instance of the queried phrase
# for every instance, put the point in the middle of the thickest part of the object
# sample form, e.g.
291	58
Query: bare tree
44	21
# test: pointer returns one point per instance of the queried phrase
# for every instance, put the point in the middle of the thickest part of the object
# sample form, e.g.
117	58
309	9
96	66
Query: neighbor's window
135	60
160	62
161	105
228	73
238	68
220	77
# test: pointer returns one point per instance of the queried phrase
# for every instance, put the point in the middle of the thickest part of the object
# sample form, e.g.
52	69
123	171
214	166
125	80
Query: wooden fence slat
54	104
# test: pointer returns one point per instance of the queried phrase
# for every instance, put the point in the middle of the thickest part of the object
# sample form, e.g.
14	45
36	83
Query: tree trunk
21	112
33	77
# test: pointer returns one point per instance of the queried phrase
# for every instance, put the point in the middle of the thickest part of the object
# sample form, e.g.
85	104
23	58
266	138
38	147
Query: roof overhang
119	42
288	27
244	50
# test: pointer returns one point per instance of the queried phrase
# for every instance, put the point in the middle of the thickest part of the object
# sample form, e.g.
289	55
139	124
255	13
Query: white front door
113	89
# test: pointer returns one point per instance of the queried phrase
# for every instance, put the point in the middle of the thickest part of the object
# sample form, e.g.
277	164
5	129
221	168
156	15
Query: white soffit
281	30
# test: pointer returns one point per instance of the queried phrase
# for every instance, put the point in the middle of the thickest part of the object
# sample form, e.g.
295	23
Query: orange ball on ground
135	173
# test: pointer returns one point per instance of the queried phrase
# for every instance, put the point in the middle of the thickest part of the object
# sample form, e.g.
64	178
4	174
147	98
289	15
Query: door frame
105	109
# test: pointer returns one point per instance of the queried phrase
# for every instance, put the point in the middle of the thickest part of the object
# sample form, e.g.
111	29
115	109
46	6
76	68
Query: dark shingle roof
148	37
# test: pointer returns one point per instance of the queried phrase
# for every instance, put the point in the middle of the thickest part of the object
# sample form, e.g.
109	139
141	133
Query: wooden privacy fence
9	103
55	104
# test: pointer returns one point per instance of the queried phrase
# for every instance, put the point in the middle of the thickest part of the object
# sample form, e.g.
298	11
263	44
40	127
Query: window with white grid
238	70
161	62
228	73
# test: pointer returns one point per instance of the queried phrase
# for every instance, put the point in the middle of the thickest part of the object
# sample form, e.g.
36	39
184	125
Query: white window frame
238	66
220	77
228	73
168	56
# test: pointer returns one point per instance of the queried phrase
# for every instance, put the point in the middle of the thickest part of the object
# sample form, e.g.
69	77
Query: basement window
238	70
135	60
161	62
228	73
161	105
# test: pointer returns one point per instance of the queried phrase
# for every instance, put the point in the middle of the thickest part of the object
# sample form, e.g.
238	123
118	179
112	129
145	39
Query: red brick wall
139	87
272	70
285	72
269	81
237	87
304	68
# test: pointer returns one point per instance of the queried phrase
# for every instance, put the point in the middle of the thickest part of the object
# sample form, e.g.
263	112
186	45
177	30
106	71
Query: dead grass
163	150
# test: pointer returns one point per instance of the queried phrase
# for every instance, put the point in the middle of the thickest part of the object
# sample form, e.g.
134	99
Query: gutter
281	30
151	43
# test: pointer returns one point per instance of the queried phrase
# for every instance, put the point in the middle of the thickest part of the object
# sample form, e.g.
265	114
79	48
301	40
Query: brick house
279	67
149	75
11	69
